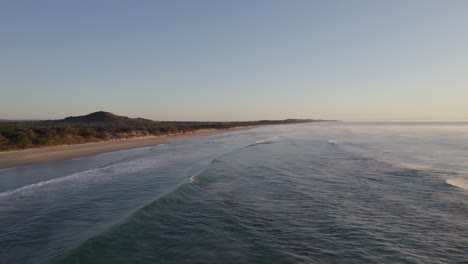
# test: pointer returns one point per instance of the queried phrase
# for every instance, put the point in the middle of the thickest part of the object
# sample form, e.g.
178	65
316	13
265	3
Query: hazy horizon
243	60
351	121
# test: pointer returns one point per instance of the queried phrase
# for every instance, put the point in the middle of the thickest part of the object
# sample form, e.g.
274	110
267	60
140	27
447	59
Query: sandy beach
17	158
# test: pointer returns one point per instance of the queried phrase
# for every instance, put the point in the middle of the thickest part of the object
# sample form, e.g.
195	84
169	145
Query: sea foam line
42	183
116	169
268	140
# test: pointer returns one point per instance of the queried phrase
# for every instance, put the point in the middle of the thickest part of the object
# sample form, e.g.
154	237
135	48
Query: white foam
42	183
192	179
268	140
459	182
8	169
84	176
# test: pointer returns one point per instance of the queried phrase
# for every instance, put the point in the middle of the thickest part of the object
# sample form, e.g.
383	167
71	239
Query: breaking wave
83	176
458	182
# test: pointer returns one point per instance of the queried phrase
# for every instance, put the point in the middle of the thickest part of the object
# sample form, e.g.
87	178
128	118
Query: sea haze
306	193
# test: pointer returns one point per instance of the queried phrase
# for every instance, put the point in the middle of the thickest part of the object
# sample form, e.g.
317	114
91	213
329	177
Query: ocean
331	192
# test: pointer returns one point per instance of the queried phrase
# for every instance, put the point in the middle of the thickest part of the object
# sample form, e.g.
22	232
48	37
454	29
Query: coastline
16	158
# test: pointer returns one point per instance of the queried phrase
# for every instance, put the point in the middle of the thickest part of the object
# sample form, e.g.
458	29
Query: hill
96	117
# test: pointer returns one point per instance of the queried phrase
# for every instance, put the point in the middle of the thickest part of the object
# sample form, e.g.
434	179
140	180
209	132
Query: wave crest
84	176
458	182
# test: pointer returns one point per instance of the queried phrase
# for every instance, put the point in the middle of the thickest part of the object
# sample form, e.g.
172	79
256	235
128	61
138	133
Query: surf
459	183
84	176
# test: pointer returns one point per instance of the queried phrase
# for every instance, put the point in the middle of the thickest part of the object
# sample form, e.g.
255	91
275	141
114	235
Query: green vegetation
101	126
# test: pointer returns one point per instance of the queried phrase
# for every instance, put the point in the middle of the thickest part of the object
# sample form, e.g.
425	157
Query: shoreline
17	158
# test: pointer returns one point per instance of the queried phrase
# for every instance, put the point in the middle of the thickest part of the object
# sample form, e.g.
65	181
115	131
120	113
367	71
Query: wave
401	160
8	169
157	147
269	140
42	183
83	176
142	211
133	220
454	178
458	182
194	177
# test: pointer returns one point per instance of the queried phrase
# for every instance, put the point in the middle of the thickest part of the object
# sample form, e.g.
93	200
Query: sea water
330	192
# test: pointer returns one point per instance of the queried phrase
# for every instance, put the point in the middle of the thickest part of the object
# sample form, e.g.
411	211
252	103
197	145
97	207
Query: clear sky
235	60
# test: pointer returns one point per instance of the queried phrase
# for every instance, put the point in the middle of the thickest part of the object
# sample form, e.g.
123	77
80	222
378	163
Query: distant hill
96	117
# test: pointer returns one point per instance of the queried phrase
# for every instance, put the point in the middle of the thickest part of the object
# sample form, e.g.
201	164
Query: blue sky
235	60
